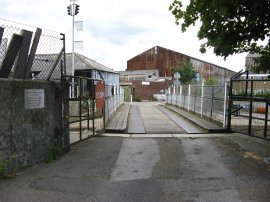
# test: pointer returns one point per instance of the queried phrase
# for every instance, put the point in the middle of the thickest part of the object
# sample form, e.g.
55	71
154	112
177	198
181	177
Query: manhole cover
267	160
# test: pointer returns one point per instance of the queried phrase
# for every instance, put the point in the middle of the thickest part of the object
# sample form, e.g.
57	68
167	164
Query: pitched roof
83	63
157	49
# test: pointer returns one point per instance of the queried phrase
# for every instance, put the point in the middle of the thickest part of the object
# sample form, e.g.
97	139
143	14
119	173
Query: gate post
65	116
230	106
250	109
225	105
266	118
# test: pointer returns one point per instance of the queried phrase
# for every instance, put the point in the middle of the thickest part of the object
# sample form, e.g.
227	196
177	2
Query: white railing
112	103
209	101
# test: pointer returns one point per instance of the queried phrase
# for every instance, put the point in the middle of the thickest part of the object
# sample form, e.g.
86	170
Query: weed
53	154
138	99
8	166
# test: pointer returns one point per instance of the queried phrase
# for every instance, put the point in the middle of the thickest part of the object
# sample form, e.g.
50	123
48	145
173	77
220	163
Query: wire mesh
49	47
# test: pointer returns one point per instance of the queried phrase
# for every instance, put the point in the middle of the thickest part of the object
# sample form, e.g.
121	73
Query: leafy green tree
230	26
211	81
261	64
187	72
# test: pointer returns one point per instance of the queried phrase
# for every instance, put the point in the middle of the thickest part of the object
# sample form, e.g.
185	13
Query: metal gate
86	116
248	105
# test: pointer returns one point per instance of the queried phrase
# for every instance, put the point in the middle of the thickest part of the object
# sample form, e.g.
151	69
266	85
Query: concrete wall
29	133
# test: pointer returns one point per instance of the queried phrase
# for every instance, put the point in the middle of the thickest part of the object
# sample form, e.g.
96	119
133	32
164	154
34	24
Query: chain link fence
27	52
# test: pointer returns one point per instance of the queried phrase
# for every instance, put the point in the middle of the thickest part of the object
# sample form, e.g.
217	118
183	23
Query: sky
115	31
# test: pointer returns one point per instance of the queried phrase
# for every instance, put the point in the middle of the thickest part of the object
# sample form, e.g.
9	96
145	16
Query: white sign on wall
145	83
33	98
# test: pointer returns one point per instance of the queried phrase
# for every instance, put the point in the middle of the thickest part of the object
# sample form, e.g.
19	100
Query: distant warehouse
149	75
164	60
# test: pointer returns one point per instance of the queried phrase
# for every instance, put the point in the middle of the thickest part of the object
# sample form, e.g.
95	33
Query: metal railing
248	105
112	103
206	101
84	119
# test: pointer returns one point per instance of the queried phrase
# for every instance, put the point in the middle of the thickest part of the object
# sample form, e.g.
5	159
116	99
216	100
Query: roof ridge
82	57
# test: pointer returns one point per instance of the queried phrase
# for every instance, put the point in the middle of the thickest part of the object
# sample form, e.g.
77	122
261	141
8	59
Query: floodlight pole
73	56
73	10
73	65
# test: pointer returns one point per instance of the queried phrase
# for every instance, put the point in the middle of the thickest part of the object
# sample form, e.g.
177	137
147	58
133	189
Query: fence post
80	108
266	118
195	98
180	96
212	102
250	109
202	95
225	106
189	96
93	107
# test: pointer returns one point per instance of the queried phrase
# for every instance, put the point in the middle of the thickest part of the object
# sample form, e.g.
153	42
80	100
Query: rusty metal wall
164	60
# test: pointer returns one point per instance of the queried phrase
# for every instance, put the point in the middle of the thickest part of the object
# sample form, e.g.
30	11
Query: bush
7	167
154	98
138	99
211	81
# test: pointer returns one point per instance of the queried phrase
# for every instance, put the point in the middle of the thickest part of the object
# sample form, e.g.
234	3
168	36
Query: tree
229	26
187	72
211	81
261	64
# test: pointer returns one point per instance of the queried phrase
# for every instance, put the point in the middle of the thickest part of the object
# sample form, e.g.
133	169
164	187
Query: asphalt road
196	168
150	168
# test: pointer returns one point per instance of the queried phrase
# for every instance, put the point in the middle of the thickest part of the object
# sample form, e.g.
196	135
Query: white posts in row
185	101
202	95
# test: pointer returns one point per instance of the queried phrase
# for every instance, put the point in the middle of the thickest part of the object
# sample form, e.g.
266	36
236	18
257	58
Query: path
145	117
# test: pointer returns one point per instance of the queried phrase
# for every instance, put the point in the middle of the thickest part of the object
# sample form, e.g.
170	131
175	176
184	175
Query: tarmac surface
150	167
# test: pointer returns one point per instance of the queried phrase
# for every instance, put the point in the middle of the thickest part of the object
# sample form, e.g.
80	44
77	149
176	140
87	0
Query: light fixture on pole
73	9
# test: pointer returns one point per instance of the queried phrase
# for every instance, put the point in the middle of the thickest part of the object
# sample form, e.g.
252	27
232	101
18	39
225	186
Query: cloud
117	33
114	30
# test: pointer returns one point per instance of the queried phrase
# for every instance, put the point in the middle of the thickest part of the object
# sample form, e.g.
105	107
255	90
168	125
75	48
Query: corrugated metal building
87	67
164	60
84	67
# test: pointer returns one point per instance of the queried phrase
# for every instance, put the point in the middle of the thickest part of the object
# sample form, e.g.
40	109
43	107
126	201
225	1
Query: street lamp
73	9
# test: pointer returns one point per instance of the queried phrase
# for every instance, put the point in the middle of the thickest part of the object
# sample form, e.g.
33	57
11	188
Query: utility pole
73	9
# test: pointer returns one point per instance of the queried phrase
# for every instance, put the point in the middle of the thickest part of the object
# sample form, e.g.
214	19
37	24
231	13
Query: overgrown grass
7	167
53	154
